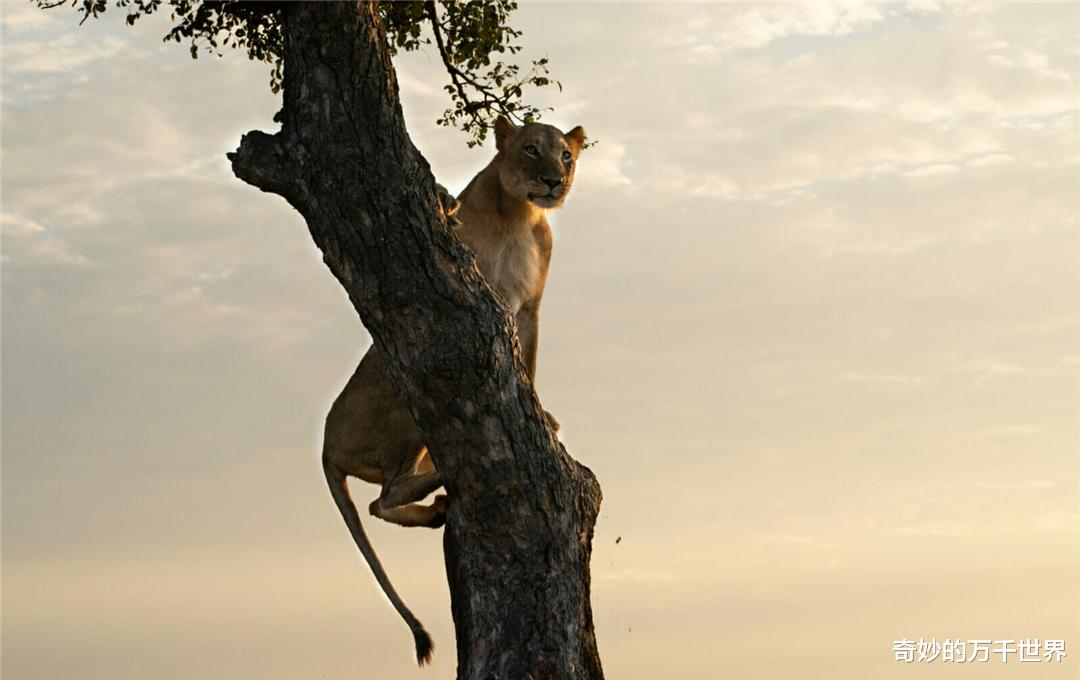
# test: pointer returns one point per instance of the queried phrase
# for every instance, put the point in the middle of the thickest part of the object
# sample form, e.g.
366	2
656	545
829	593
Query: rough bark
520	522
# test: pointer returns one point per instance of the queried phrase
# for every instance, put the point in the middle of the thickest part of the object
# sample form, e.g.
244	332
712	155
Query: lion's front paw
552	423
447	202
438	505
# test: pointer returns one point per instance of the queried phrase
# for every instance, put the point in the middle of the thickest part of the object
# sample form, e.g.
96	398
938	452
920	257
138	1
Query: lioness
369	432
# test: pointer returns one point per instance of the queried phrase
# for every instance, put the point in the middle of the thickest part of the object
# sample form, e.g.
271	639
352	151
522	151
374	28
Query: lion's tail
340	491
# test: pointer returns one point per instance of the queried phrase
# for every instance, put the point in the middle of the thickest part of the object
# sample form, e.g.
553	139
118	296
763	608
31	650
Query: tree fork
520	522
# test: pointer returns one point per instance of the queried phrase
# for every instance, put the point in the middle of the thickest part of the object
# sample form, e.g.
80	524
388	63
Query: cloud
922	6
602	165
991	369
991	158
415	86
61	55
16	225
679	180
1015	430
882	378
754	27
1038	64
27	244
20	19
932	170
643	576
797	540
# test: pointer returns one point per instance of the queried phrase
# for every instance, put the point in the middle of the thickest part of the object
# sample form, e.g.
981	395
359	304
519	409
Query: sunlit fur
502	209
535	152
369	432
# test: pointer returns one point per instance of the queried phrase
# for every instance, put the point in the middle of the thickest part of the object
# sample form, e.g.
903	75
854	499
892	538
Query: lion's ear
504	132
575	138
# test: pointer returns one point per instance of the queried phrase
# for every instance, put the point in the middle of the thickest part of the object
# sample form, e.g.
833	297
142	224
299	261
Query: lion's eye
531	150
567	156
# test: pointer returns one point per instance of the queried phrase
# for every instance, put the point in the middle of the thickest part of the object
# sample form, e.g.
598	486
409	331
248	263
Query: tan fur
369	432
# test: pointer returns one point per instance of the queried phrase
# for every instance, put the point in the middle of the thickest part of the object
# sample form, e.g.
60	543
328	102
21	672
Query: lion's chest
510	262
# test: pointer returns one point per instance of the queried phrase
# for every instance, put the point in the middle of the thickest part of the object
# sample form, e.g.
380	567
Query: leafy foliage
469	37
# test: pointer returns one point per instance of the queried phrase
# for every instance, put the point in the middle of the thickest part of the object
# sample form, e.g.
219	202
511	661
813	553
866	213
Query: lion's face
537	161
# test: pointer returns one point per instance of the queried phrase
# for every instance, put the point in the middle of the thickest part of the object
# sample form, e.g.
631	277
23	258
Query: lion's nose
552	183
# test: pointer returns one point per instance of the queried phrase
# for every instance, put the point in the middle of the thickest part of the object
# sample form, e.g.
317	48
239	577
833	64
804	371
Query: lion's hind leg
413	514
409	488
398	501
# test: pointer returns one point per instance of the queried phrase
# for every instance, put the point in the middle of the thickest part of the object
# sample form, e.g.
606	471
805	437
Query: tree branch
459	78
456	74
261	161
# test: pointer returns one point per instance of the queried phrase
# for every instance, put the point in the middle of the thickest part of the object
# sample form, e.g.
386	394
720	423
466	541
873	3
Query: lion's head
537	161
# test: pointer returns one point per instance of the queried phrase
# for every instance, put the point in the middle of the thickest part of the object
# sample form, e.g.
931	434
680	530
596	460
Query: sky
811	319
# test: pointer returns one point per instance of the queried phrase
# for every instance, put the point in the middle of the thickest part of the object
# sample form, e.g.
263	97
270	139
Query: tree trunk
521	515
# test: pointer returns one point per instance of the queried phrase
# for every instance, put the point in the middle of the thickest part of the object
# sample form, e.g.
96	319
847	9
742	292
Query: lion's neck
499	209
502	233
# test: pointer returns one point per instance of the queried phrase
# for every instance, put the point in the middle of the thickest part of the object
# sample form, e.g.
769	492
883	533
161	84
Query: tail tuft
424	646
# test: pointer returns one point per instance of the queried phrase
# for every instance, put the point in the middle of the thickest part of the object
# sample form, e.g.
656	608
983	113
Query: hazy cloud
811	320
756	26
28	243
